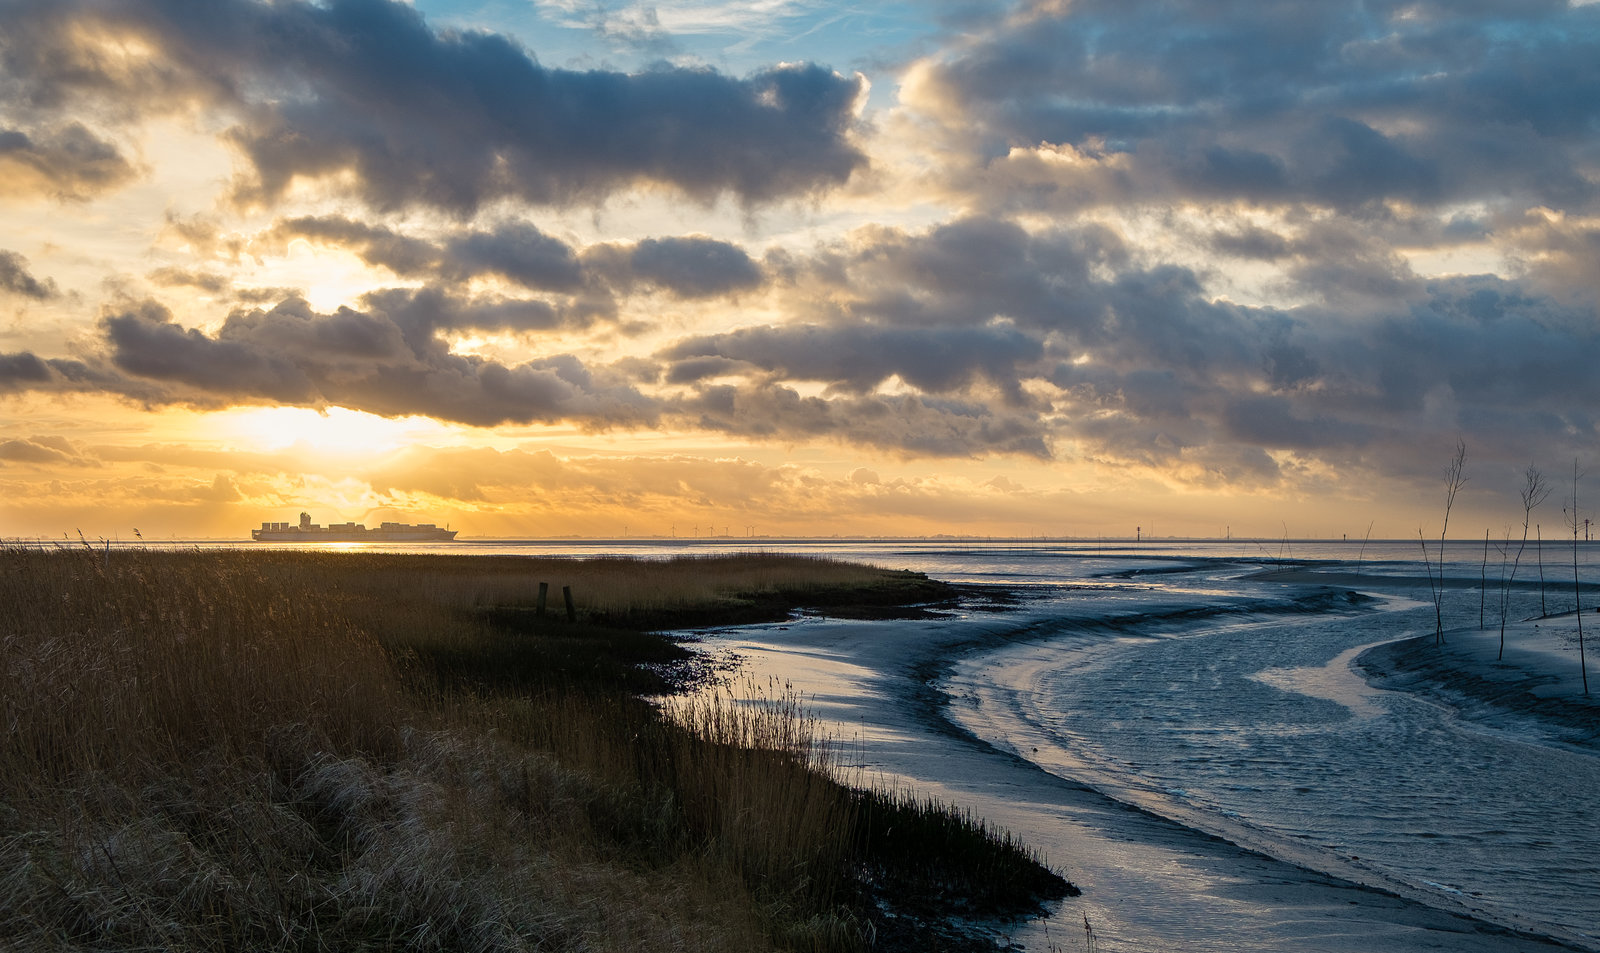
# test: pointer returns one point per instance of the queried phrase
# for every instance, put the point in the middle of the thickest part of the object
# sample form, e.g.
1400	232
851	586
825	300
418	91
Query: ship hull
369	536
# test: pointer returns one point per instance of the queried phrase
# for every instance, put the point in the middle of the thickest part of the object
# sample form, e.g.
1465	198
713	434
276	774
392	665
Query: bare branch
1455	476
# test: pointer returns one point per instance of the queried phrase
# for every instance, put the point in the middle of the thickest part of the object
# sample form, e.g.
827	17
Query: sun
332	431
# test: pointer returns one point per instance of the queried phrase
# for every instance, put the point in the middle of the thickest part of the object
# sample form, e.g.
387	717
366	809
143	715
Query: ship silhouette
309	532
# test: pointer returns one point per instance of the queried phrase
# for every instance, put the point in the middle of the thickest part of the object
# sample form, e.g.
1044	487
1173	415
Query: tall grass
294	751
604	586
119	667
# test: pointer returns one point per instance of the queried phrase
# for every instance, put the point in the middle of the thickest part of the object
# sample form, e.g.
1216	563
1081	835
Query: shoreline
883	685
1536	686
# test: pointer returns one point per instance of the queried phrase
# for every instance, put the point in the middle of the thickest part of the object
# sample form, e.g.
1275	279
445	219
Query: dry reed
270	750
215	750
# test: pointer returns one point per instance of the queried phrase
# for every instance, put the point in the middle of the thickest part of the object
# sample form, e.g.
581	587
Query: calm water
1257	730
1230	706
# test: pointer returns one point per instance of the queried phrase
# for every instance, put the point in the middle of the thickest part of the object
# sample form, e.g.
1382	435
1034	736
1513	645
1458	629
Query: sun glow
336	430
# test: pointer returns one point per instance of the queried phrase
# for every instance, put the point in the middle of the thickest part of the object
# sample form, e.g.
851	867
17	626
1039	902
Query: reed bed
303	751
604	586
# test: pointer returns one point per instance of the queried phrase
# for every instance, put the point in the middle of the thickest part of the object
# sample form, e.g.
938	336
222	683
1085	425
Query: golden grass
217	750
286	751
120	666
602	586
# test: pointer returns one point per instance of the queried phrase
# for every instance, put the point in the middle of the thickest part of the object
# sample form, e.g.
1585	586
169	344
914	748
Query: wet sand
1533	682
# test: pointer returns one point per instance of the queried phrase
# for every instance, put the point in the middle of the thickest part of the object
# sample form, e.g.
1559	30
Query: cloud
1270	421
23	371
16	279
66	162
908	425
207	281
637	29
691	266
1563	251
678	16
46	450
1103	357
378	245
1272	104
1250	241
221	490
859	358
973	338
387	360
366	94
146	343
518	253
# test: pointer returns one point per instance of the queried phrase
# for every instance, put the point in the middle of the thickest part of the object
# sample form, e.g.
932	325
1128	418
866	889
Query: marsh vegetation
298	751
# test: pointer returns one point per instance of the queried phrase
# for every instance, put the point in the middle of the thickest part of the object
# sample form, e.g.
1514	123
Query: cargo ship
309	532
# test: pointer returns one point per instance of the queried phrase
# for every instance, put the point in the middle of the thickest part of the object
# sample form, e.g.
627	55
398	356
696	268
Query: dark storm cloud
442	118
15	278
1336	105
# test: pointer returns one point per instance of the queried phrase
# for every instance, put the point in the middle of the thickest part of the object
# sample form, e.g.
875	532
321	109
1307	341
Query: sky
797	267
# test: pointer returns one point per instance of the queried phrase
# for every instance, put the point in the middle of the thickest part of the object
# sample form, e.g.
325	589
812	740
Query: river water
1232	707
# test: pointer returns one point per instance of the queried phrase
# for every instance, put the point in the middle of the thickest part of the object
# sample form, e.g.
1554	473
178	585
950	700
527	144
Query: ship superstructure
309	532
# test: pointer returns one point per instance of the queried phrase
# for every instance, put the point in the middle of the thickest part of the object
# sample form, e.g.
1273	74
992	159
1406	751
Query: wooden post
544	592
566	594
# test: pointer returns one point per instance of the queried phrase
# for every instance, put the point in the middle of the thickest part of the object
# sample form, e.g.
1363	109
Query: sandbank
1532	682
